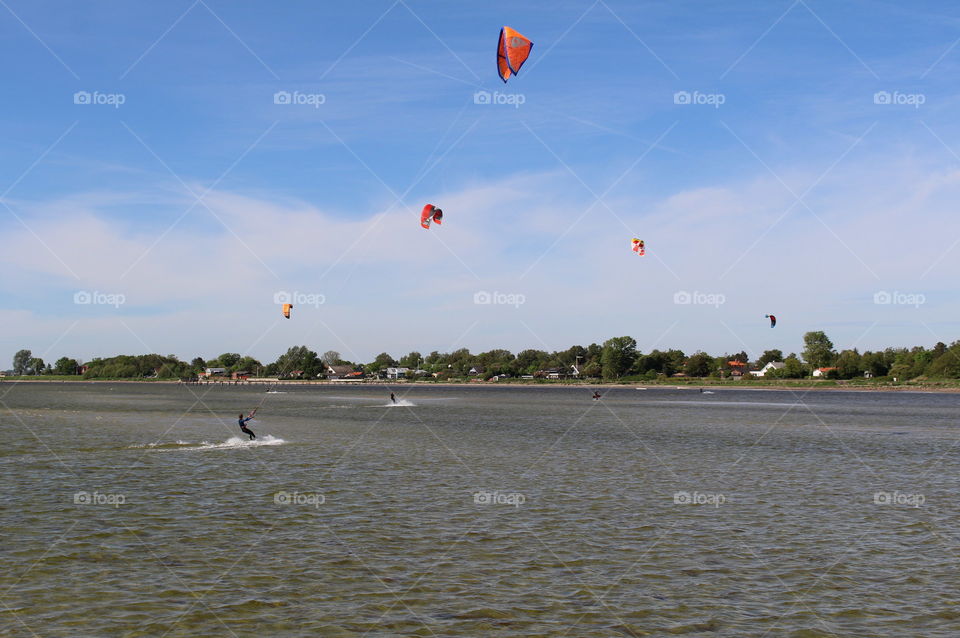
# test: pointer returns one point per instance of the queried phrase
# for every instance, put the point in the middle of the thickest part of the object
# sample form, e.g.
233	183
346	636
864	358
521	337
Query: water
140	510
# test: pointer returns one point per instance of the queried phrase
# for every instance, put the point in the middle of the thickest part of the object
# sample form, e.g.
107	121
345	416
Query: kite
287	307
430	214
773	320
512	51
638	247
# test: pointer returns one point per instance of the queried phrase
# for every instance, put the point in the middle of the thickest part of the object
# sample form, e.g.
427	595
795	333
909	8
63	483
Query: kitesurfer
243	426
393	398
596	396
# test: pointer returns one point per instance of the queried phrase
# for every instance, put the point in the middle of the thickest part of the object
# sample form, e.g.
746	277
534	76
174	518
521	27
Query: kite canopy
429	214
638	247
512	51
773	320
287	307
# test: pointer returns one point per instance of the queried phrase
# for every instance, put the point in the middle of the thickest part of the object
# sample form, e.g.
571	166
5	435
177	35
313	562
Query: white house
822	372
212	371
397	373
772	365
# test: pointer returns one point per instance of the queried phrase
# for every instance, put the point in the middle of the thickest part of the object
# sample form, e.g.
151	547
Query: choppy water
140	510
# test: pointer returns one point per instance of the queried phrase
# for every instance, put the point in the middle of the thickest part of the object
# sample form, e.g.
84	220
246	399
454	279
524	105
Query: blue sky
819	168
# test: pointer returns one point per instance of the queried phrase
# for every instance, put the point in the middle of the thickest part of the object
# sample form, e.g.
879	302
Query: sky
173	171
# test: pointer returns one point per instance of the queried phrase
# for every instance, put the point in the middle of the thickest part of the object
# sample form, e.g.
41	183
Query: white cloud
390	285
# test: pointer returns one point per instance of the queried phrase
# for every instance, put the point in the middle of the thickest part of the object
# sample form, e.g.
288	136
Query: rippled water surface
139	510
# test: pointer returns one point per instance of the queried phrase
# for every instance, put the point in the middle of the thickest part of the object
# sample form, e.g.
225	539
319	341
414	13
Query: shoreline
806	387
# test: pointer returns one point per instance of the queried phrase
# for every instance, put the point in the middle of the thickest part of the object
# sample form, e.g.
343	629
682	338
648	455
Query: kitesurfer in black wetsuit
393	398
244	428
596	396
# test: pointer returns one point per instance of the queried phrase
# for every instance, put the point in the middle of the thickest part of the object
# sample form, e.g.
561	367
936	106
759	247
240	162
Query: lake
137	509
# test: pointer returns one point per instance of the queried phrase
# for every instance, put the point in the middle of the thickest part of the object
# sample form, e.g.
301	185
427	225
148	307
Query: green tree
873	363
818	349
227	360
198	364
298	358
592	370
248	364
792	368
65	365
412	360
699	364
947	365
495	362
381	362
21	361
36	366
618	356
529	361
849	364
769	356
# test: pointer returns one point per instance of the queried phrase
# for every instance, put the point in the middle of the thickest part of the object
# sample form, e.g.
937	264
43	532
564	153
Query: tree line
616	359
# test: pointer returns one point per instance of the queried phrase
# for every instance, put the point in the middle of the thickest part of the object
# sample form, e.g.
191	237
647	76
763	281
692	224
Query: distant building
397	373
822	372
342	372
772	365
737	369
212	372
475	371
241	375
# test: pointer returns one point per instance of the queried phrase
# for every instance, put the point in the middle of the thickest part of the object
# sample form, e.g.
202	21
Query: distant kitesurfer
393	398
243	425
596	396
